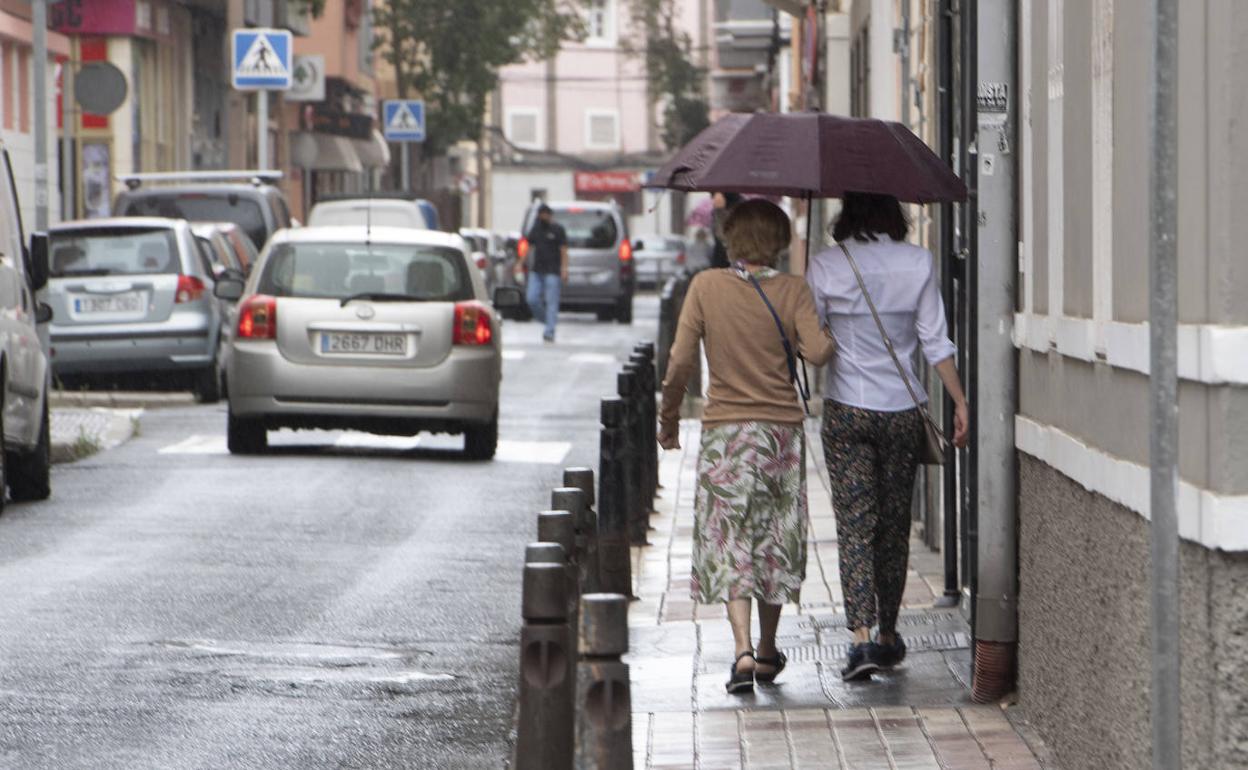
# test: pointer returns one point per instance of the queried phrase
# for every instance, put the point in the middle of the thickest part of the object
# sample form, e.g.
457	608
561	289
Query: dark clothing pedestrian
547	240
872	457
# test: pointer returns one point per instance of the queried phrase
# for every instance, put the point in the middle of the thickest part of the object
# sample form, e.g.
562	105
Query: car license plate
336	343
127	302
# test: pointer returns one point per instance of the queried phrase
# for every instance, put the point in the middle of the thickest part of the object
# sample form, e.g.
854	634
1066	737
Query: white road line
534	452
527	452
198	445
592	358
514	355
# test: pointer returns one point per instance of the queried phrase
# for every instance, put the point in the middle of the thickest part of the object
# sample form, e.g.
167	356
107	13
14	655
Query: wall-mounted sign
100	87
111	17
308	79
349	124
607	181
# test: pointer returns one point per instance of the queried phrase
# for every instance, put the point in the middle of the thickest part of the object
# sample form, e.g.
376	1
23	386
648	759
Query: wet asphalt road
343	602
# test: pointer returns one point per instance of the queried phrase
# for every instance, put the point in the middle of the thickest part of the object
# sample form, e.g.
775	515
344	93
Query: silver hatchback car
131	296
385	330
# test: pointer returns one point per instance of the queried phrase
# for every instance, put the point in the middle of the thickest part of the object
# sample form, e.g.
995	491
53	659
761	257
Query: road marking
534	452
198	445
528	452
514	355
592	358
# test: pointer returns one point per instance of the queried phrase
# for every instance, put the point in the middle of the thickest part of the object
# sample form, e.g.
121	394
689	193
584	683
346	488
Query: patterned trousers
872	458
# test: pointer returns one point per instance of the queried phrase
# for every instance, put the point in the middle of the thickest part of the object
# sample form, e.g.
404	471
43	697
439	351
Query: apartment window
600	22
524	127
602	129
860	73
23	90
6	63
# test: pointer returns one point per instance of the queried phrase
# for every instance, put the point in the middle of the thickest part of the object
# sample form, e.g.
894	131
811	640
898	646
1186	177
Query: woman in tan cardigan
750	525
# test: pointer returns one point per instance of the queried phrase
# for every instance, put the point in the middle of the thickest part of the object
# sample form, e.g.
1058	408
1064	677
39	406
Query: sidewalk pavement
918	716
79	432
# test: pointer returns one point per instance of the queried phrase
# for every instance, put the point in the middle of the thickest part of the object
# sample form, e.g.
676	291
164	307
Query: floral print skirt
749	535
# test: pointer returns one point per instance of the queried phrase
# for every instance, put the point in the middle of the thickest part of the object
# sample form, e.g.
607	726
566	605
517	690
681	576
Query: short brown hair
756	231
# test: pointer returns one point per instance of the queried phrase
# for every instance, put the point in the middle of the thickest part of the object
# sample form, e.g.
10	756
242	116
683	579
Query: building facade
582	125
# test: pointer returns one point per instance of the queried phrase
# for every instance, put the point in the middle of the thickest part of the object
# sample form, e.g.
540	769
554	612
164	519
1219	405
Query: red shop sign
607	181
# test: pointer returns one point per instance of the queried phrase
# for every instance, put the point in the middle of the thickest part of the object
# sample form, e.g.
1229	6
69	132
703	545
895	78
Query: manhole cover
931	642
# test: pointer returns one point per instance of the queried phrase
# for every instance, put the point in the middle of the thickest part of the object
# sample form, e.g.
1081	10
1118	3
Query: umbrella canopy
810	155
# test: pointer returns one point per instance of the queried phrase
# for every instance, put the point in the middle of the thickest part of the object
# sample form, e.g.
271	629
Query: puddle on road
295	666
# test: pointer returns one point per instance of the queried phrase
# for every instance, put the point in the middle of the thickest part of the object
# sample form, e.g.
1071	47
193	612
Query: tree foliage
674	80
449	52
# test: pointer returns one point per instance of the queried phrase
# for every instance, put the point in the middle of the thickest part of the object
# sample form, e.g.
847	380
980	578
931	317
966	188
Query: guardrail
574	707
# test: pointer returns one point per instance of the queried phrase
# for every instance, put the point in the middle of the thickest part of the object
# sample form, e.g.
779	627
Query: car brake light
190	289
626	251
680	257
257	318
481	261
472	324
522	248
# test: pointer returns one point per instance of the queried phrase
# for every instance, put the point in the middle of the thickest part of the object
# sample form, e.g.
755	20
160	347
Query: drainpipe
968	157
992	474
945	96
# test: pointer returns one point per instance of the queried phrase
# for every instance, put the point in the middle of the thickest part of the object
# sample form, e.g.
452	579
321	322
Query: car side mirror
38	265
228	288
43	313
507	298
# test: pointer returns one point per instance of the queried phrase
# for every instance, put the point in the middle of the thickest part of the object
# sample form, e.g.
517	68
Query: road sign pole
405	167
262	130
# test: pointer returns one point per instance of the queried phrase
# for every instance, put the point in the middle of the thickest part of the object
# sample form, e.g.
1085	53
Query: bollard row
573	694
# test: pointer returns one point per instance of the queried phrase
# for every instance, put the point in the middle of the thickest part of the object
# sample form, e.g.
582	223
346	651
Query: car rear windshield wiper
381	297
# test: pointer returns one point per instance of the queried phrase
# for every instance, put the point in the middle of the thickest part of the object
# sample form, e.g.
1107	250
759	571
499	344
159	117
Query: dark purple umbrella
810	155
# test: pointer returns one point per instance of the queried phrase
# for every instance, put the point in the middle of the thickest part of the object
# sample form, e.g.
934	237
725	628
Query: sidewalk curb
86	399
86	432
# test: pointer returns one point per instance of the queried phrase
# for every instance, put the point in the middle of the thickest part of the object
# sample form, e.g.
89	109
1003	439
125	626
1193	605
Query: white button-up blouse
902	280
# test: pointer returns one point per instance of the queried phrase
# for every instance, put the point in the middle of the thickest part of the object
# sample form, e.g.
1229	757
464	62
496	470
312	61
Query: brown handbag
934	442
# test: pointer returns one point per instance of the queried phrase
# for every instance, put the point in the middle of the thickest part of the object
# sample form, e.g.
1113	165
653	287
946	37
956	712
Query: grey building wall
1084	632
1077	159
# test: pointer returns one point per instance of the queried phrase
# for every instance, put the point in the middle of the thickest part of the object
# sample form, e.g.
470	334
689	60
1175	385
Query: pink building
583	125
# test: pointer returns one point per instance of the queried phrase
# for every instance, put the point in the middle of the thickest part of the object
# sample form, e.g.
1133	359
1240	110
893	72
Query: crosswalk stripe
509	451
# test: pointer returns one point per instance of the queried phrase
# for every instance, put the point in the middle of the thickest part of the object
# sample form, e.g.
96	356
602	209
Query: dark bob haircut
866	216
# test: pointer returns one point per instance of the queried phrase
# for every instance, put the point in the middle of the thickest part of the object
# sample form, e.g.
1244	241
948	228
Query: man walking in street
548	245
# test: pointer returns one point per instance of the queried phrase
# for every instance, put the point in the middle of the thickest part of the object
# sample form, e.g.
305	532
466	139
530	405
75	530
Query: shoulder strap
789	356
888	343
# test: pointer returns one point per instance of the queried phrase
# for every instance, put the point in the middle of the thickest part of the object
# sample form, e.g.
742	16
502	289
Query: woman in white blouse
872	430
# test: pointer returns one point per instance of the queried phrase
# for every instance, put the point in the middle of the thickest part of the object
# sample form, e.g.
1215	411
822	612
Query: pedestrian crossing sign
262	59
403	120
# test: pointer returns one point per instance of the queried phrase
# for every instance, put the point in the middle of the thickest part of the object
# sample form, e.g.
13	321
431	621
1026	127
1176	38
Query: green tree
449	53
674	80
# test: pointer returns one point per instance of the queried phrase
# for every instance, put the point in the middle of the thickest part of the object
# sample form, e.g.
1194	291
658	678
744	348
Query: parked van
25	378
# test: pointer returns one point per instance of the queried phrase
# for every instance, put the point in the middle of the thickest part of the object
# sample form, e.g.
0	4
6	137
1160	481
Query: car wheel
607	315
30	475
481	441
624	310
244	436
207	384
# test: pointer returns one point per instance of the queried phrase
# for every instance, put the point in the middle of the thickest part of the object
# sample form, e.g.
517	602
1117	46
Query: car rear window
359	214
341	270
114	251
588	228
204	207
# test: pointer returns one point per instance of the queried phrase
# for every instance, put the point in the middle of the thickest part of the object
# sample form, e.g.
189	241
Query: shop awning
325	152
373	152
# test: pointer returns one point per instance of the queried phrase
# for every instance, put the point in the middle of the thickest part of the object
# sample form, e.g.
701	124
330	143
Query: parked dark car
246	198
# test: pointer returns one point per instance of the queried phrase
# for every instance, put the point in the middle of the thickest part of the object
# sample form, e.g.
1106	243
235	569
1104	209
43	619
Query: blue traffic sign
262	59
403	120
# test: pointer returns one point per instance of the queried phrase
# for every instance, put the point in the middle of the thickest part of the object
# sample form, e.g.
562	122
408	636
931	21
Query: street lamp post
39	18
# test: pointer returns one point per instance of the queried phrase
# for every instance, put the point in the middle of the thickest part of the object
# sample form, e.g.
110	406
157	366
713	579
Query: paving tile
811	739
903	735
953	742
764	740
671	741
858	739
719	740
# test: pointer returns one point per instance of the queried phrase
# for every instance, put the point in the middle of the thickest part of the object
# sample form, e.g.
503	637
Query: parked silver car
386	330
657	257
600	258
131	296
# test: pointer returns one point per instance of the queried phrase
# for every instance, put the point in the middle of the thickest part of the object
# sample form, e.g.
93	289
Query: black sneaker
863	661
890	655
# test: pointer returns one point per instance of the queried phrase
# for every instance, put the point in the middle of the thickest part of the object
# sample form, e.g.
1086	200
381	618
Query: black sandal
778	662
740	682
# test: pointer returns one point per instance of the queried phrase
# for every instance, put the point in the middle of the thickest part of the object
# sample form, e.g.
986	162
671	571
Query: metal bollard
572	499
545	736
649	428
638	518
614	558
647	349
545	553
582	479
604	728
